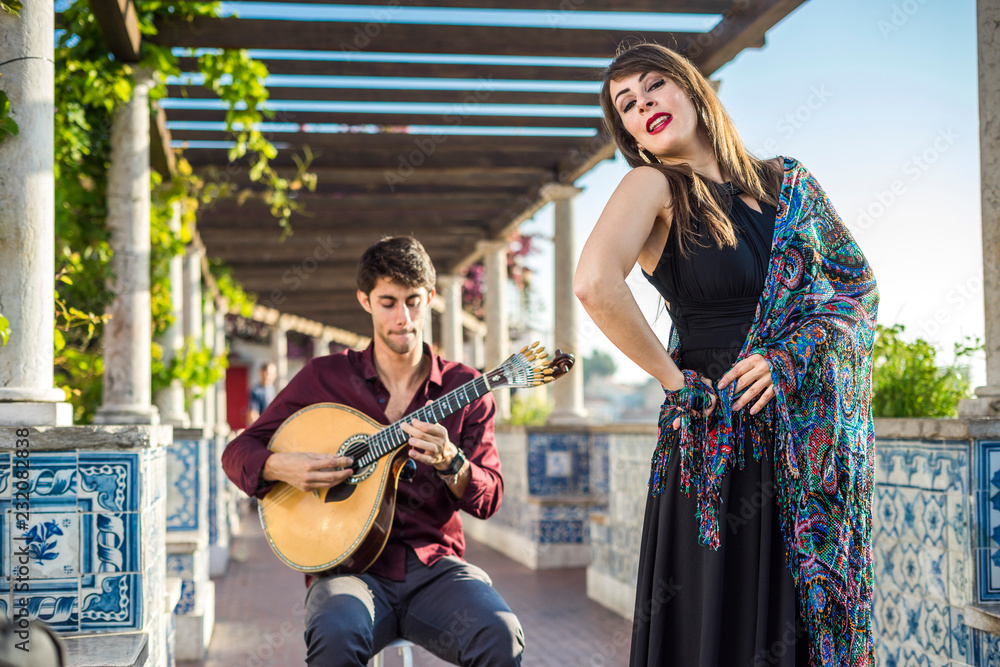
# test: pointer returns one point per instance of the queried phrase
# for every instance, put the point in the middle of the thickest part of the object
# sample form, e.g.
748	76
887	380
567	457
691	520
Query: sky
878	99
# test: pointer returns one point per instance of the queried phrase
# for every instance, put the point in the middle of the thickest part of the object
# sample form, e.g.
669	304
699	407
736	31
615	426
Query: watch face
457	463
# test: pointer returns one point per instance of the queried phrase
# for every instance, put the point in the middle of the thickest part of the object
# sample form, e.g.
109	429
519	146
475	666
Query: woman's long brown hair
692	196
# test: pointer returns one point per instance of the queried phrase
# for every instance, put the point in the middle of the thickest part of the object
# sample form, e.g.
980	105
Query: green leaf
11	6
4	330
59	340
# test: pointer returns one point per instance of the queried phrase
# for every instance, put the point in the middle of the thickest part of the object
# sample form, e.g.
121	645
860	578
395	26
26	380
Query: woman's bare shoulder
647	182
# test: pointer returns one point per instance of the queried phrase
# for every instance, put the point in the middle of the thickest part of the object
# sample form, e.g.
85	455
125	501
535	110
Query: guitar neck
392	437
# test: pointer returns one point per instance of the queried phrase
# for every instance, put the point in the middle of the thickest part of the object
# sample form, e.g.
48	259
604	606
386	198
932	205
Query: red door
237	396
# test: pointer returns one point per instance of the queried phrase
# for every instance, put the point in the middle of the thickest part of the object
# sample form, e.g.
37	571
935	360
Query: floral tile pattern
52	543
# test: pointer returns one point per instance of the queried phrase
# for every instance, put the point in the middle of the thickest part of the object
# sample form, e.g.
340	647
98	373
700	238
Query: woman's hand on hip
753	375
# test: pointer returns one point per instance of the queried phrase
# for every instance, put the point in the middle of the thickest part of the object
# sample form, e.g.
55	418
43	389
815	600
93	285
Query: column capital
449	280
557	191
492	245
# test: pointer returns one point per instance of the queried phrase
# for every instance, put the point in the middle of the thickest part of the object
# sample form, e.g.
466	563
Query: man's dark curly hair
401	259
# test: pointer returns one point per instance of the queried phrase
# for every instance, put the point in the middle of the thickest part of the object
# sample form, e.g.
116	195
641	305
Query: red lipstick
657	122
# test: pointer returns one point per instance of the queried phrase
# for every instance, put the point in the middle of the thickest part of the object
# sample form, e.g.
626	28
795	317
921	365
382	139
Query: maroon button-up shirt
426	517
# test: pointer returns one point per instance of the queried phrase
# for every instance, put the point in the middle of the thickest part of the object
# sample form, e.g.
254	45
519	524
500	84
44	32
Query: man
263	393
419	588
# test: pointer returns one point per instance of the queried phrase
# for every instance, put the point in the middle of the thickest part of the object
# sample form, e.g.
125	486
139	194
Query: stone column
127	392
208	340
568	391
221	405
428	333
222	510
479	351
497	333
170	400
27	222
987	401
279	354
321	345
193	315
451	320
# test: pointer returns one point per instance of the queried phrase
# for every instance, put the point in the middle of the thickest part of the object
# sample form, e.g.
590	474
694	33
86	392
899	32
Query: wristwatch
456	465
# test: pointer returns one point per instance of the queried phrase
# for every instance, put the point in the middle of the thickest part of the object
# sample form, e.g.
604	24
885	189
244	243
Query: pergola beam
457	118
161	153
353	67
743	26
234	33
119	26
673	6
463	99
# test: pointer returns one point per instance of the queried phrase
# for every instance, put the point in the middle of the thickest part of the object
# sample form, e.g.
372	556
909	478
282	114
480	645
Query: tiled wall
546	465
82	536
615	536
93	564
923	552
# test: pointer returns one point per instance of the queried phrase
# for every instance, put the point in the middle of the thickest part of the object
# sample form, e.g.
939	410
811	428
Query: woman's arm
618	238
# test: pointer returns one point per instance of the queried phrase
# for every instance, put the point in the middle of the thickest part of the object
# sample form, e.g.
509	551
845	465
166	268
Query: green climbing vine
90	85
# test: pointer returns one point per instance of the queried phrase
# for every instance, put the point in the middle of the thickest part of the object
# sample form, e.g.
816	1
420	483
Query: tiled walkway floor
259	612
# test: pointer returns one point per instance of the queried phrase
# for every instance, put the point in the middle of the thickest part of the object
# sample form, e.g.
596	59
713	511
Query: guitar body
341	531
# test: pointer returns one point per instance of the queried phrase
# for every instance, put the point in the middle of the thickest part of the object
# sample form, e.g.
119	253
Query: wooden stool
405	647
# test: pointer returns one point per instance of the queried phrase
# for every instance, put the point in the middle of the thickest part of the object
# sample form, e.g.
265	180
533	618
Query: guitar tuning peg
524	350
535	344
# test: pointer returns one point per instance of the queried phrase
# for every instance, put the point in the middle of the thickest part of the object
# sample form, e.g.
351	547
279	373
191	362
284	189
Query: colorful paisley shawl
815	324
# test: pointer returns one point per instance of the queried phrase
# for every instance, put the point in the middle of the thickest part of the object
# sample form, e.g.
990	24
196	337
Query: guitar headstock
528	368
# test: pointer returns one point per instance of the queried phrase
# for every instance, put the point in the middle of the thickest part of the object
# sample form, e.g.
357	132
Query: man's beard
398	347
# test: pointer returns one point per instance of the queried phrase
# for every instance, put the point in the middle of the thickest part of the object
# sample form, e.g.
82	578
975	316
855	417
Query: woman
756	545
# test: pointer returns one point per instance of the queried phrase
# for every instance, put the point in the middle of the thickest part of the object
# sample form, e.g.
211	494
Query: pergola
382	165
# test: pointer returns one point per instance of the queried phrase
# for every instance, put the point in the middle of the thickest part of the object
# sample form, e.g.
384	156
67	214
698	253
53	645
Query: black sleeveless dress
735	605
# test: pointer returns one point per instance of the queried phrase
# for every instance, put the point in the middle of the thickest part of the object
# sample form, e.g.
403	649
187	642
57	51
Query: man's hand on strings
307	471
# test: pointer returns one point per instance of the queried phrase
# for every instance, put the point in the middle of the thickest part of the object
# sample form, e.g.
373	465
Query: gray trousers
450	609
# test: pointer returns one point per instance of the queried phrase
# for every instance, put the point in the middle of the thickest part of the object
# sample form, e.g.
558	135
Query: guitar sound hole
335	494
